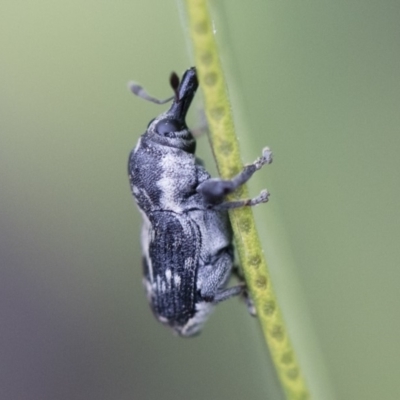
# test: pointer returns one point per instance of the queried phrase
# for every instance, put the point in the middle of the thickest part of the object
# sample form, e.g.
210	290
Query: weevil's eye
166	127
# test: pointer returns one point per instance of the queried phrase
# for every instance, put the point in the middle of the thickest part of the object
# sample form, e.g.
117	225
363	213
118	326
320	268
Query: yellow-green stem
226	151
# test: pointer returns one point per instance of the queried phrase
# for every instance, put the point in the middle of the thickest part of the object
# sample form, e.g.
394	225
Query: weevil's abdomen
171	265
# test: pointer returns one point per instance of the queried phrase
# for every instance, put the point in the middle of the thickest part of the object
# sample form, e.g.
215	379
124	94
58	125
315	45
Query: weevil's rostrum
186	234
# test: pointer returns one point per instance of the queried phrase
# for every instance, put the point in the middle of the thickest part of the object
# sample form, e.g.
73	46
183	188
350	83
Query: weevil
186	236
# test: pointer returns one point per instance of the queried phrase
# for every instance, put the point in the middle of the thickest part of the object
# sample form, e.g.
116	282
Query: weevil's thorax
162	166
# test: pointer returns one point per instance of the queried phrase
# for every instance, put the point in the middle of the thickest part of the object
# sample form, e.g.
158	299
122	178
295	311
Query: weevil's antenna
139	91
174	82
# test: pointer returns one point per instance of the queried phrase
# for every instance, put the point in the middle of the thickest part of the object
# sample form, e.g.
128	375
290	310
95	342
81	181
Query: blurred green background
317	81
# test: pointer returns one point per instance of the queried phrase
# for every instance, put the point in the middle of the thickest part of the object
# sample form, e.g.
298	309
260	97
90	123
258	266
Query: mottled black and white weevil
186	234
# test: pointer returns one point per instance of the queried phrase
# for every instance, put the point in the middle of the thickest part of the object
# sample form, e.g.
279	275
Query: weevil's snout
184	95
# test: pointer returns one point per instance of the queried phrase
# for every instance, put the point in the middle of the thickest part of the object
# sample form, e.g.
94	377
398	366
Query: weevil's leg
251	308
249	169
202	124
239	290
245	293
211	279
199	131
214	274
227	293
261	198
215	189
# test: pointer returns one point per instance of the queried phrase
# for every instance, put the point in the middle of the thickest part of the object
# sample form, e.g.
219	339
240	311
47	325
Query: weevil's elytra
186	234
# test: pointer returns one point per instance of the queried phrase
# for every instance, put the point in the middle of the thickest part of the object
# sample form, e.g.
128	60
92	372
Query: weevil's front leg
215	189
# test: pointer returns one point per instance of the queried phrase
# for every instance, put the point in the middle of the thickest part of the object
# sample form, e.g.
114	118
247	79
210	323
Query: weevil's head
170	128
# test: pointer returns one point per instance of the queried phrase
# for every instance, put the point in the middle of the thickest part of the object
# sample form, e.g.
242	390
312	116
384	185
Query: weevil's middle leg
226	205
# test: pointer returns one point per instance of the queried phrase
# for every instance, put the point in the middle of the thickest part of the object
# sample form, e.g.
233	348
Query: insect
186	235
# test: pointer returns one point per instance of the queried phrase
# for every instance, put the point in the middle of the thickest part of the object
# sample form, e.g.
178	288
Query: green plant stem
226	152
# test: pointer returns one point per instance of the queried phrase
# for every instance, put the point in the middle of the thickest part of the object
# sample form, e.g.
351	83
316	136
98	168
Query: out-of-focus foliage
316	81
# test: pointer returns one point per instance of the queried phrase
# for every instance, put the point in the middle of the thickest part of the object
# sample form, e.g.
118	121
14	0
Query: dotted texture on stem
226	152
